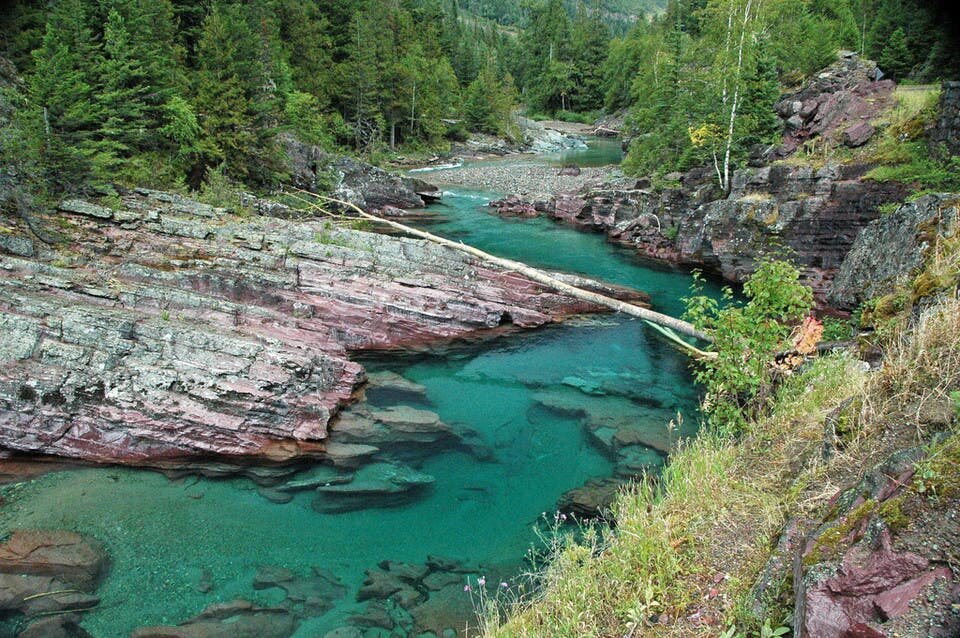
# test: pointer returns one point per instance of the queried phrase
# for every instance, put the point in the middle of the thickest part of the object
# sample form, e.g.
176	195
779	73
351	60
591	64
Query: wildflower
482	581
504	585
466	588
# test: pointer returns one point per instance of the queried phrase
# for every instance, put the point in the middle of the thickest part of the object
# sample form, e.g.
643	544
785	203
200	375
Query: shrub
747	337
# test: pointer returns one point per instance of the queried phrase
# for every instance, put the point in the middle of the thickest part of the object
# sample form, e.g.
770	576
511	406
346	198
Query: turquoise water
527	399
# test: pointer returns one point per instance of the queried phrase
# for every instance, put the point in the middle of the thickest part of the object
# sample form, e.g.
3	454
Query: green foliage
921	171
488	103
219	190
746	338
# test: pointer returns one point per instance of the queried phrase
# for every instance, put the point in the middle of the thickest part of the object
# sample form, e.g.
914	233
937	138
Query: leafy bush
747	337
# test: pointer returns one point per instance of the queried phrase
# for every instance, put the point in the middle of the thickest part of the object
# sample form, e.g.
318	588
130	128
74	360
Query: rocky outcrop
836	104
944	135
539	139
371	188
170	329
811	215
862	571
892	247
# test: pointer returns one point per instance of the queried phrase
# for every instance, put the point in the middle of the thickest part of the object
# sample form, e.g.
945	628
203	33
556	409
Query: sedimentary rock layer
171	329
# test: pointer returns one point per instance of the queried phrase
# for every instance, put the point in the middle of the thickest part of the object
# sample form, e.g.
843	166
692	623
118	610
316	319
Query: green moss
830	539
938	475
891	511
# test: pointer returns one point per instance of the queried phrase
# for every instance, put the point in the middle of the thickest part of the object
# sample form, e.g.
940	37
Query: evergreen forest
167	92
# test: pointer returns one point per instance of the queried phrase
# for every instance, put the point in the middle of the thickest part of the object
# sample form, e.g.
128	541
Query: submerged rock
375	485
60	626
49	571
593	499
315	477
311	595
237	619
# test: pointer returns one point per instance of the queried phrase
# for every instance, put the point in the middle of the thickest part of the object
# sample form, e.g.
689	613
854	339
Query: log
677	325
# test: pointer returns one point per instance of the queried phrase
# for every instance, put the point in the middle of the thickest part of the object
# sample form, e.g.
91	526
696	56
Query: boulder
891	248
513	206
367	186
71	559
592	499
237	619
858	134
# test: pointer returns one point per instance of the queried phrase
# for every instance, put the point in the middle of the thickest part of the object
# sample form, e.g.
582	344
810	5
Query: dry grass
707	525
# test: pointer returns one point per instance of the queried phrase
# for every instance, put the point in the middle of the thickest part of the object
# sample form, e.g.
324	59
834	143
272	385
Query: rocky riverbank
164	329
530	180
808	211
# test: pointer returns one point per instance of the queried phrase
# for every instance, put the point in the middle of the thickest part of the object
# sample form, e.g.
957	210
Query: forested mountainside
169	92
618	15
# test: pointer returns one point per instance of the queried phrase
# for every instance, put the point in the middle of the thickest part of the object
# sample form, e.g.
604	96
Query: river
537	404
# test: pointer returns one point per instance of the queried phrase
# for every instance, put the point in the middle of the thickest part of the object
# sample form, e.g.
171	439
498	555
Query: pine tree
895	58
61	89
234	107
120	99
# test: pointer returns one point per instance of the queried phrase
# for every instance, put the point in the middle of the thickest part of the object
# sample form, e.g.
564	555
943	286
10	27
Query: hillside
619	15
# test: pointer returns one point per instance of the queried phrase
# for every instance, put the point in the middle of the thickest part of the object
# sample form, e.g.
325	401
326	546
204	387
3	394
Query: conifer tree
233	106
61	88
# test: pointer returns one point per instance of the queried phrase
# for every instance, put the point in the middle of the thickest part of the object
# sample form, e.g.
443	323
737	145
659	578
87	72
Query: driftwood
653	317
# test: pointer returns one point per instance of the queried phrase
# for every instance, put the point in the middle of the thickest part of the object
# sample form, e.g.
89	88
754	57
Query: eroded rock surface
892	247
868	567
836	103
170	329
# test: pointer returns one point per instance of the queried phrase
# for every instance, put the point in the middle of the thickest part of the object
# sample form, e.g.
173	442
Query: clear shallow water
600	151
165	537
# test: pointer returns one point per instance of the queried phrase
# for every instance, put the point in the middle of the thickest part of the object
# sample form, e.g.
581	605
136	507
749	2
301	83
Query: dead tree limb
677	325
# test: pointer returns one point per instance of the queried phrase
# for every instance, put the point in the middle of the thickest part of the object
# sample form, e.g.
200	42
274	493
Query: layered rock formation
892	247
170	329
810	215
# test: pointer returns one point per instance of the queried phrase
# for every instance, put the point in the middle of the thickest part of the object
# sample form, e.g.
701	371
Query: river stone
237	619
59	626
439	579
410	572
593	498
380	478
445	609
70	558
315	477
